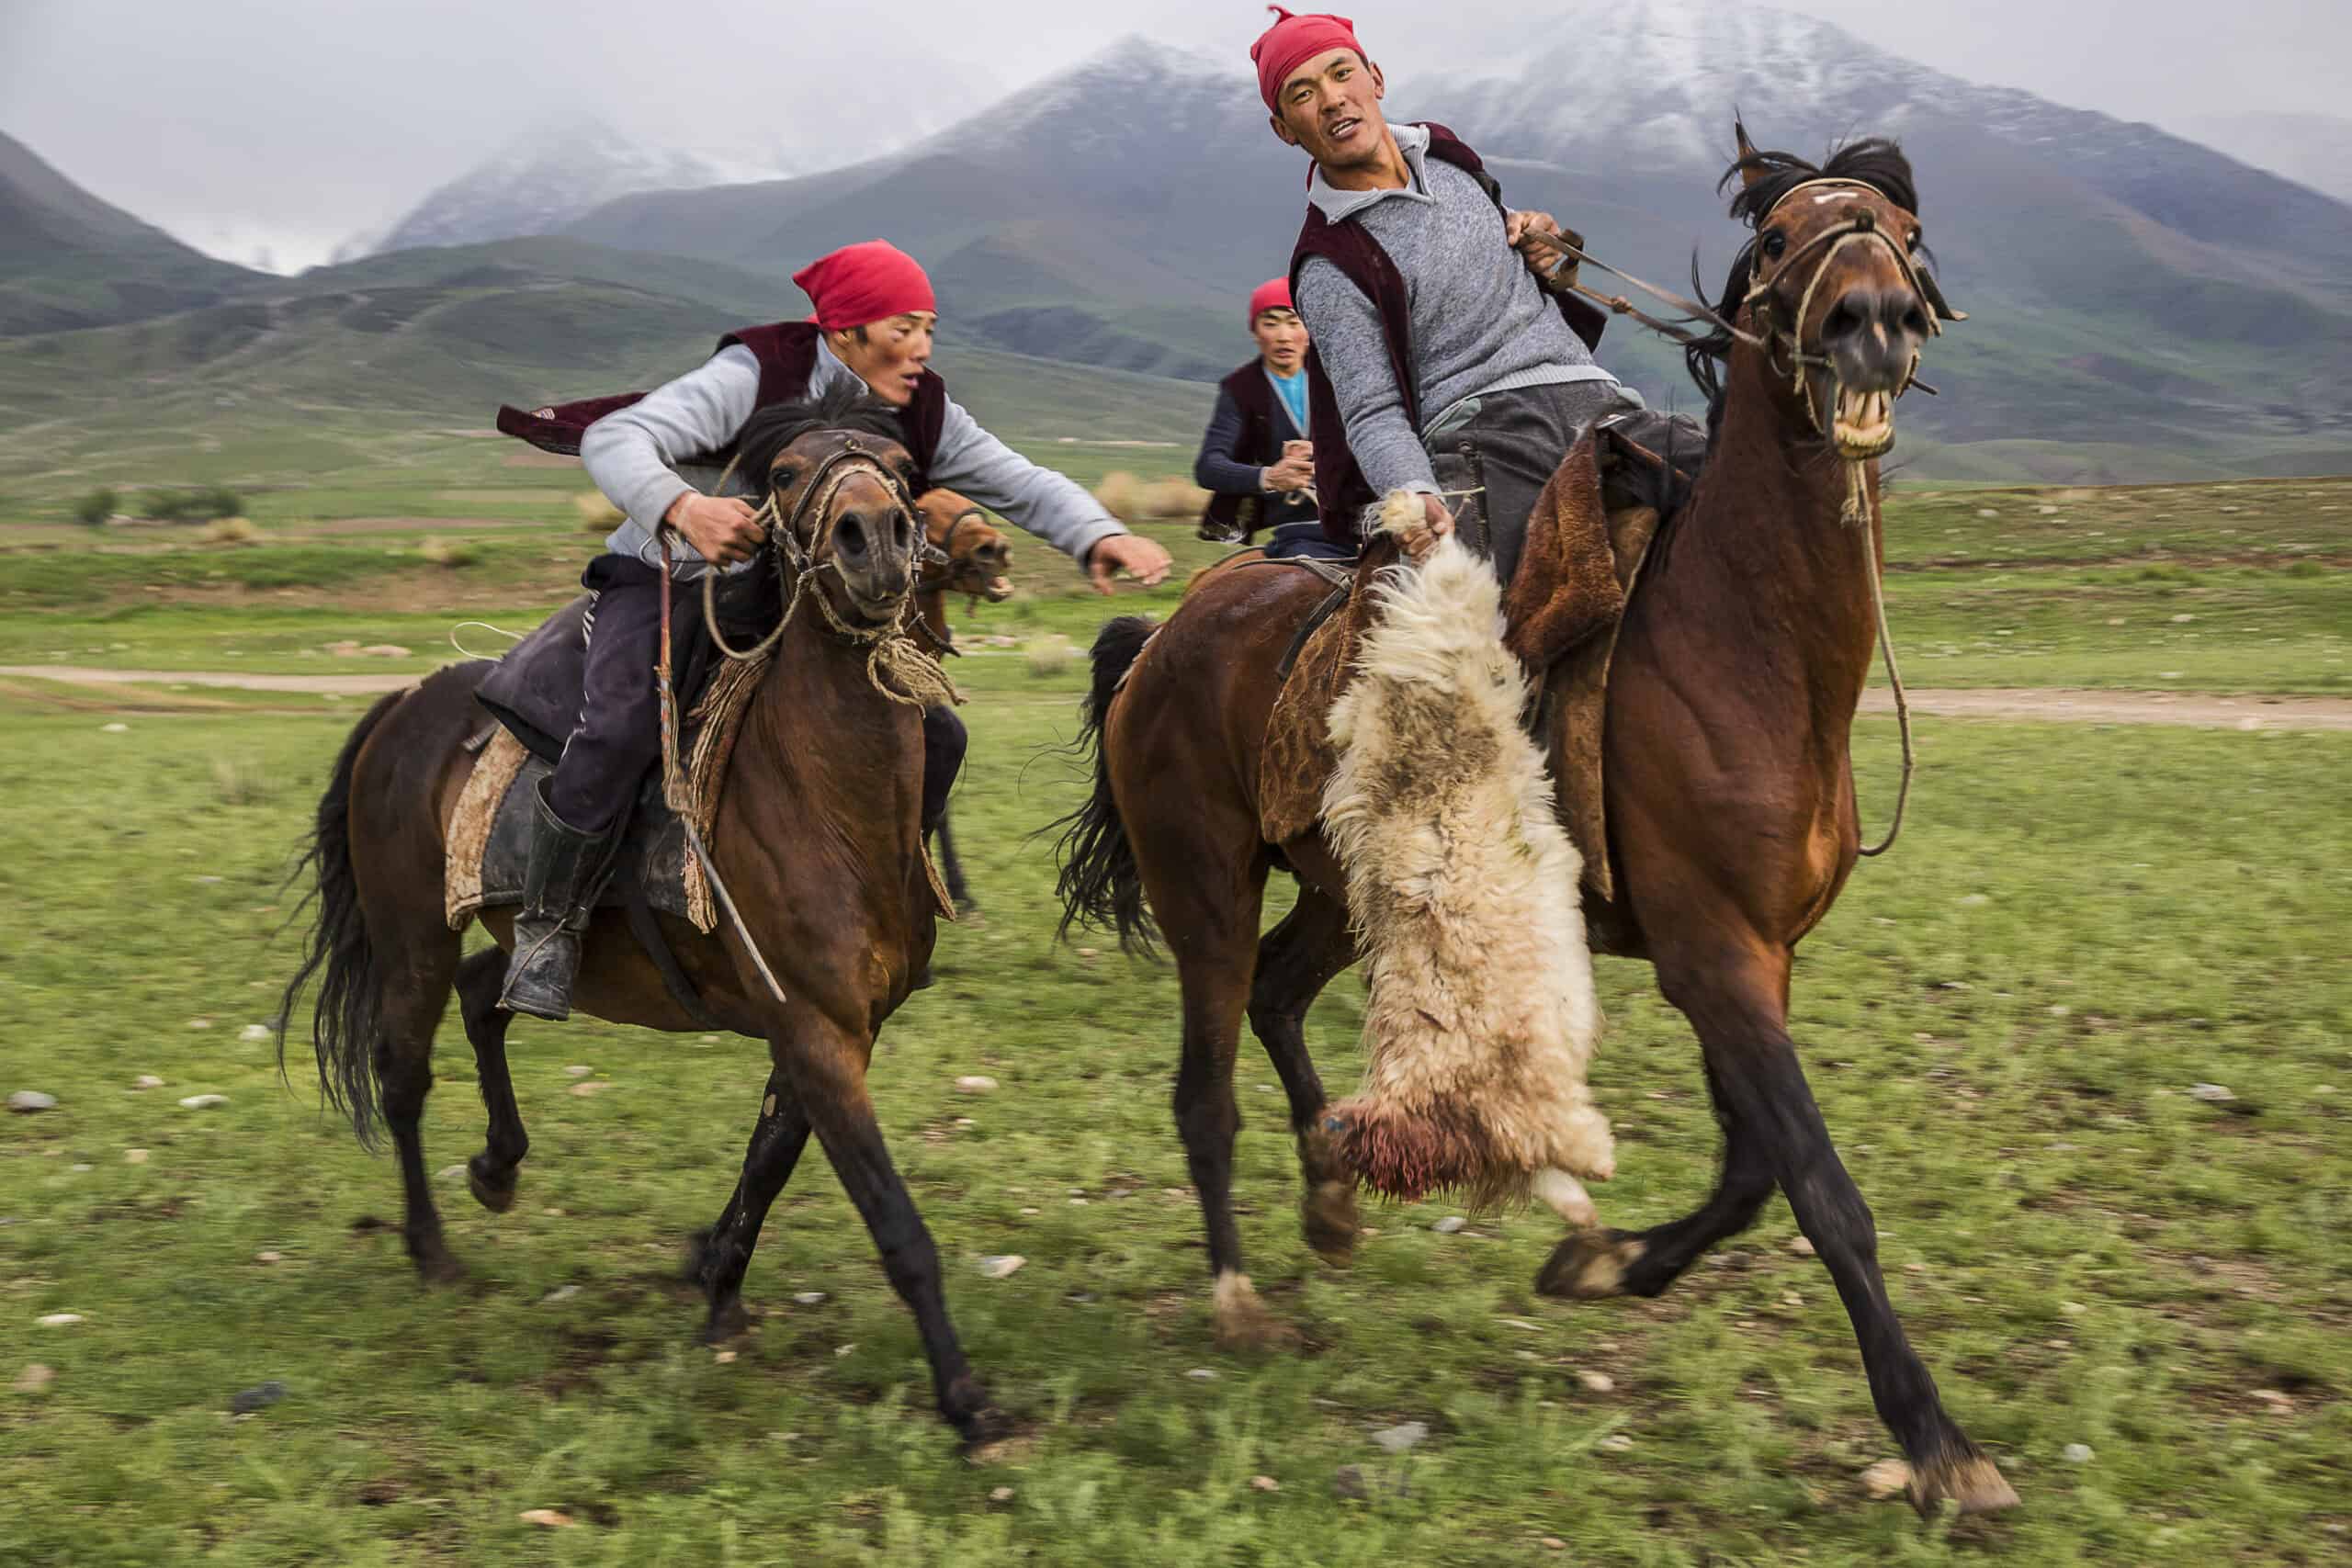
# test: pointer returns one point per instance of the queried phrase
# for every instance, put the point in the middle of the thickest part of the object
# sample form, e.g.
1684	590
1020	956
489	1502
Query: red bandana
1291	42
863	283
1272	294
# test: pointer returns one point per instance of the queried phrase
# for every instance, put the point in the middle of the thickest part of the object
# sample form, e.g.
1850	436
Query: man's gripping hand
1555	270
1435	524
721	528
1138	556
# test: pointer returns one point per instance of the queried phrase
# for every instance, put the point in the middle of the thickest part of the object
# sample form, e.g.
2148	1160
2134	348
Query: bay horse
817	837
965	554
1728	787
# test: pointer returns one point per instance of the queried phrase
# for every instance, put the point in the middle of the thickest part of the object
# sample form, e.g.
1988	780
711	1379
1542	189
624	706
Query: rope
1902	703
501	631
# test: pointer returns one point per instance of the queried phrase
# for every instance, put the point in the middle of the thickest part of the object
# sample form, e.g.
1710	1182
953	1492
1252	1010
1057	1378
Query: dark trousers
1502	448
618	736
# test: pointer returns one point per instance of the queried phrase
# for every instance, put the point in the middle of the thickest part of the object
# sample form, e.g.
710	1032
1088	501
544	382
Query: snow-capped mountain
545	179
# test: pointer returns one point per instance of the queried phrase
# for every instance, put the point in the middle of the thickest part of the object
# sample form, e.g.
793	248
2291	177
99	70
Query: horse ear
1749	173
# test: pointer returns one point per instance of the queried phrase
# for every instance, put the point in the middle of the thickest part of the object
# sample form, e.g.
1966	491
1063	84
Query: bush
1120	494
201	504
95	507
445	552
1132	499
1051	655
229	531
597	516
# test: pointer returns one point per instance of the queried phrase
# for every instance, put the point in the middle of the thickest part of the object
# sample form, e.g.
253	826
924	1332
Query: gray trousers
1502	449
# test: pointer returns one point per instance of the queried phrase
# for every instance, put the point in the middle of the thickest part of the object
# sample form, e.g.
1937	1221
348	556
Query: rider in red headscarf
1255	461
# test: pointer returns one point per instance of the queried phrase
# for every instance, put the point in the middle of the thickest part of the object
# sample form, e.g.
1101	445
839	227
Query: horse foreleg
825	1071
1296	961
415	993
490	1175
951	865
719	1254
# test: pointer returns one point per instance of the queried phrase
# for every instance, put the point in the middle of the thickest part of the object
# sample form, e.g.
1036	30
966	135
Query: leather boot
565	872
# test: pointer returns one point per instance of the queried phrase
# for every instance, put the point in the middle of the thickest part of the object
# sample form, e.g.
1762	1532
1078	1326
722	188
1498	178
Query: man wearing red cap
659	458
1255	460
1442	364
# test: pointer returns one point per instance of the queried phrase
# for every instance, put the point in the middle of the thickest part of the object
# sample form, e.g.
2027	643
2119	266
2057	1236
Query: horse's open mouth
998	590
1864	425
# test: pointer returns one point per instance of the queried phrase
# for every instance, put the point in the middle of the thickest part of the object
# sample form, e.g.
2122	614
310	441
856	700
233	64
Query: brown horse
817	838
1729	794
965	555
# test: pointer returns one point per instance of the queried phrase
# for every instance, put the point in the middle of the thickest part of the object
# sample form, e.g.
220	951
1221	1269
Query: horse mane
1874	161
845	406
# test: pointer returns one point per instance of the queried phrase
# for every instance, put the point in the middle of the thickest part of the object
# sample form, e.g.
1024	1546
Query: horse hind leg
1296	961
720	1255
416	992
490	1175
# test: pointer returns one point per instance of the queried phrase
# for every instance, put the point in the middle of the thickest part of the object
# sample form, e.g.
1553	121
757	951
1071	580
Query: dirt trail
2200	709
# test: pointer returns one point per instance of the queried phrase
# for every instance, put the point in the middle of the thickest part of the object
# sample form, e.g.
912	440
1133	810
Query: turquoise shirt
1291	390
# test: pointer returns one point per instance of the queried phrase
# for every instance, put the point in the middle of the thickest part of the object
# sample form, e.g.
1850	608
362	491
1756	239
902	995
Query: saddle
1586	542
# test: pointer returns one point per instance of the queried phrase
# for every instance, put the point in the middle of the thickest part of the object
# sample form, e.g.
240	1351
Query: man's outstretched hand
1138	557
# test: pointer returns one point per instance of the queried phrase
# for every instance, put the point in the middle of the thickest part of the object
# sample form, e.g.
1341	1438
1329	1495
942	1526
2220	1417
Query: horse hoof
1243	1321
967	1407
1328	1217
725	1322
439	1265
1968	1479
1591	1265
482	1180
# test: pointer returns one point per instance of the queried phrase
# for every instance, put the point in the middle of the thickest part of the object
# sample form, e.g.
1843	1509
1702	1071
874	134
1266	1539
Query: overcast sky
291	125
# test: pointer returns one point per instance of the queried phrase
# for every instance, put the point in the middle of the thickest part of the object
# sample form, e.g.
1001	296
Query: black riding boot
566	872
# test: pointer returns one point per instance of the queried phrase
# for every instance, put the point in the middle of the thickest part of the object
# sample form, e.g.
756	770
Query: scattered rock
1597	1383
1264	1484
1887	1478
114	730
2182	620
2212	1093
2280	1403
146	1080
1403	1437
203	1101
724	1358
1201	1375
385	650
1448	1225
254	1031
249	1400
1552	1543
1001	1495
2077	1453
578	1072
546	1518
61	1320
81	1166
1090	953
1000	1265
808	1298
975	1084
1974	901
1615	1443
1986	511
269	1257
134	1157
1348	1481
1801	1245
449	1173
34	1378
843	1350
1032	1210
200	1023
560	1293
26	1101
2073	1309
592	1086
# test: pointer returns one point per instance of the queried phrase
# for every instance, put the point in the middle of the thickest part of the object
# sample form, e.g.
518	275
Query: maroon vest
1260	447
1339	484
787	354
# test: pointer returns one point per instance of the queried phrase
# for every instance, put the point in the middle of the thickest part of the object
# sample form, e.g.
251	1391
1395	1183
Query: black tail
1100	885
343	1025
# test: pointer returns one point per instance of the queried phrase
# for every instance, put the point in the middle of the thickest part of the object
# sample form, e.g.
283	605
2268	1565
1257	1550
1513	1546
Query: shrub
597	516
201	504
242	782
445	552
95	507
1120	494
1051	655
1173	498
229	531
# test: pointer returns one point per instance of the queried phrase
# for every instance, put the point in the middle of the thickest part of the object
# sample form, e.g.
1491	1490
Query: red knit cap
1291	42
1272	294
863	283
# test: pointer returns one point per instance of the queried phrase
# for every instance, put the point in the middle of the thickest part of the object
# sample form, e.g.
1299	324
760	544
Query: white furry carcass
1463	887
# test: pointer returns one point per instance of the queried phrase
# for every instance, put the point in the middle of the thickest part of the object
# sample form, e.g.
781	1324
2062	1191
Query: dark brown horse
967	554
817	838
1730	799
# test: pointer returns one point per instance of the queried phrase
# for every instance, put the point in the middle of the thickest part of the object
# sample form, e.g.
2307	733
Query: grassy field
2003	1025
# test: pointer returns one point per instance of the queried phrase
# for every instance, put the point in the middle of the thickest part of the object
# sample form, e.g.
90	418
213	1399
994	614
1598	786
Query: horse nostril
1915	321
1847	316
850	532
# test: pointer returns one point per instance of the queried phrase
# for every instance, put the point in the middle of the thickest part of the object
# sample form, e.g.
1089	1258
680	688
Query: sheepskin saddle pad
1584	549
1461	885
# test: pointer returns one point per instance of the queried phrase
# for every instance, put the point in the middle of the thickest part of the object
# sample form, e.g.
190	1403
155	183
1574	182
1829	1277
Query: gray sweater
642	459
1480	322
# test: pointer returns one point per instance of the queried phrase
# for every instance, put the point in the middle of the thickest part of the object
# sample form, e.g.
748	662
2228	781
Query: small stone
1450	1224
1597	1383
2060	1009
269	1257
2077	1453
134	1157
1801	1245
1986	511
1615	1443
808	1298
1552	1543
114	730
592	1086
2182	620
2276	1399
253	1032
449	1173
82	1166
843	1350
546	1518
247	1401
2073	1309
724	1358
1201	1375
1032	1210
1000	1265
390	651
560	1293
1348	1481
1887	1478
1974	901
578	1072
2212	1093
203	1101
61	1320
975	1084
1791	1299
200	1023
26	1101
34	1378
1264	1484
1403	1437
146	1080
1001	1495
1090	953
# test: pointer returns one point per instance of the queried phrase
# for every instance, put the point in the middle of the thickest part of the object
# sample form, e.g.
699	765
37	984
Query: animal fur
1463	886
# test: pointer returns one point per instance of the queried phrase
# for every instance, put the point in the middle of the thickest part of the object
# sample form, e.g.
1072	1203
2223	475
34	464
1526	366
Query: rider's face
1330	107
1281	340
888	354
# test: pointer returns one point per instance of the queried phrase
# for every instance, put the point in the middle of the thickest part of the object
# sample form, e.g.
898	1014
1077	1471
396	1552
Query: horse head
838	478
1836	283
967	555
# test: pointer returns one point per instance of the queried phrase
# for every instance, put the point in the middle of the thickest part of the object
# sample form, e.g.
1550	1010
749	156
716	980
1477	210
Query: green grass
2001	1023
